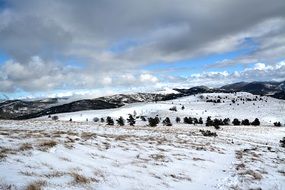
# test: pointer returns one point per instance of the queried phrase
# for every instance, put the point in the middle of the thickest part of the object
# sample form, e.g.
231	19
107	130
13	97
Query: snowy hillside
267	109
62	155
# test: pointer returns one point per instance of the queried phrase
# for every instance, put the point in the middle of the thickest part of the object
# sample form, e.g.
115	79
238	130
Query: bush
131	120
95	119
55	117
143	118
109	121
182	107
195	121
277	124
177	119
226	121
188	120
153	122
102	120
256	122
173	108
167	122
121	121
217	123
236	122
208	133
245	122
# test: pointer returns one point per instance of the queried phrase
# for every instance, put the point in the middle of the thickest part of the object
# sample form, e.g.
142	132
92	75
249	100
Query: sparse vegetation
167	122
131	120
121	121
109	121
153	122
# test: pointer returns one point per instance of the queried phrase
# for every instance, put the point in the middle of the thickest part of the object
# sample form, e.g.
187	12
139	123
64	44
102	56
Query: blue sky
71	47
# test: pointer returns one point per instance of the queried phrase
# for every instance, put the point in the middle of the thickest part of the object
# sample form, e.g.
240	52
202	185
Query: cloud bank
70	44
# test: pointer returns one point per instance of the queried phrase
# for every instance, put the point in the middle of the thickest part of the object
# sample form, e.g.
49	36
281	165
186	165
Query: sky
96	47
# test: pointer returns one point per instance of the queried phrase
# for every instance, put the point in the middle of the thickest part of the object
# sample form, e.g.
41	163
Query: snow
142	157
268	112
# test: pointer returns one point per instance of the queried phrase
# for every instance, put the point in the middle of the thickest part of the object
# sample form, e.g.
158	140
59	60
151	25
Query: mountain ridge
22	109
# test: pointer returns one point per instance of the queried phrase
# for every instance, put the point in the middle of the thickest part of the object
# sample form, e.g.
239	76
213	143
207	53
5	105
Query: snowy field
268	110
46	154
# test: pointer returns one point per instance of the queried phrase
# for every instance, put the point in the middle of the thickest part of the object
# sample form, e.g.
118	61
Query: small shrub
208	133
95	119
167	122
236	122
173	108
256	122
143	118
54	118
277	124
245	122
177	119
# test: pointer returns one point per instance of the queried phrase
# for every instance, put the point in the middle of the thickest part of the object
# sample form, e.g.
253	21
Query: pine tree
256	122
167	122
177	119
109	121
236	122
121	121
131	120
245	122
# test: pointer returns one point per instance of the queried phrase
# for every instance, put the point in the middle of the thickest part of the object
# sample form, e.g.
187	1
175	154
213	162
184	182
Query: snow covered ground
268	110
46	154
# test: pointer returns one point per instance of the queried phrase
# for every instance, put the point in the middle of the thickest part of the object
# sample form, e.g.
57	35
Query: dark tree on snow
131	120
121	121
167	122
109	121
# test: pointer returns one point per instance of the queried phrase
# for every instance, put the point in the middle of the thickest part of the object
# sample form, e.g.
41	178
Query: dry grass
25	146
4	152
36	185
80	179
45	145
88	135
255	175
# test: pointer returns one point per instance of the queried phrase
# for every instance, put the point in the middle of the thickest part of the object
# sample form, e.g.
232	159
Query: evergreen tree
256	122
177	119
153	122
200	120
109	121
236	122
209	122
121	121
245	122
167	122
131	120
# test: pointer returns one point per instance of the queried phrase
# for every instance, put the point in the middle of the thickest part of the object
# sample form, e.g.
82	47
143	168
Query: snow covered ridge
216	105
71	155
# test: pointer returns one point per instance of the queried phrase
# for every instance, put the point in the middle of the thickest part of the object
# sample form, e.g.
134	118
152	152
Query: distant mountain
21	109
259	88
